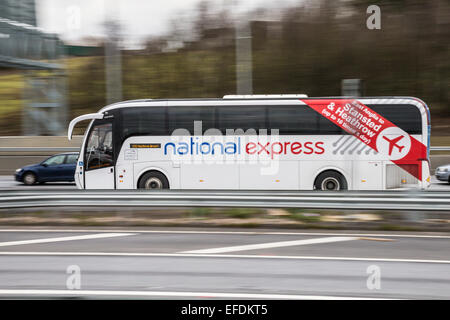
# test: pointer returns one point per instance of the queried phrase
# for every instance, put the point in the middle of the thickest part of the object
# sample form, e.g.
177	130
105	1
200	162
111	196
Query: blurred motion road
192	263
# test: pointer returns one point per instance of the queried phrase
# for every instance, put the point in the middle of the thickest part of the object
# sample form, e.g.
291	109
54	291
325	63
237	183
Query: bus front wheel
153	180
330	181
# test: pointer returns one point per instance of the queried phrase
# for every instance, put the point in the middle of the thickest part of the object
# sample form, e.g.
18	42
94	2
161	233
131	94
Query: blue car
60	167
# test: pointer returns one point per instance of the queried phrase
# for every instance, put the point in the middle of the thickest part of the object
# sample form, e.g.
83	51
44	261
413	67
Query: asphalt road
239	264
8	182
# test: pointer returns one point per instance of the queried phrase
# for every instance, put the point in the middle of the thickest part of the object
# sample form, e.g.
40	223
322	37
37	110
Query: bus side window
328	127
248	118
293	120
405	116
139	121
184	117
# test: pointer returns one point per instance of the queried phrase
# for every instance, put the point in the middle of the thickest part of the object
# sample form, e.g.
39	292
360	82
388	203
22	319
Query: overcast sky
77	19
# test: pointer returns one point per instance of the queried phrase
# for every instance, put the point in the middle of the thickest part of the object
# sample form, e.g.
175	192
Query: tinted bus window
293	120
243	117
328	127
149	121
184	117
406	117
300	120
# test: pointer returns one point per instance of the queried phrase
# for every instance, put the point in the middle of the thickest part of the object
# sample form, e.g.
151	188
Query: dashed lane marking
59	239
270	245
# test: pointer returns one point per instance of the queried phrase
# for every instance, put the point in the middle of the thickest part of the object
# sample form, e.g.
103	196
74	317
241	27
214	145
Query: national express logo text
195	147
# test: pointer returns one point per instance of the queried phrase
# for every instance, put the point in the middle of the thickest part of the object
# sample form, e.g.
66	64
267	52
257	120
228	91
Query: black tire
330	181
153	180
29	178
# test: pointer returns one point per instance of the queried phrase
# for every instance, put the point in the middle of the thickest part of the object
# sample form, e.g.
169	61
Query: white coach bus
269	142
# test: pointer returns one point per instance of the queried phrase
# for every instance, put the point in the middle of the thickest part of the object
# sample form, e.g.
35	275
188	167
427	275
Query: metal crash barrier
383	200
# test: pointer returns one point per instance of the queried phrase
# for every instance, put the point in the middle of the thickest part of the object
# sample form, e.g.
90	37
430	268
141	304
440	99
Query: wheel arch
150	169
335	169
30	171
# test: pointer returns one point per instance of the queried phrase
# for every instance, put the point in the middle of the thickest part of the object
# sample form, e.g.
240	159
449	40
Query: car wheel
153	180
330	181
29	178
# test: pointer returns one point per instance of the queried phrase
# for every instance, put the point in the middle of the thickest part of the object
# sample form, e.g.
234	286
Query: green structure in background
25	46
83	51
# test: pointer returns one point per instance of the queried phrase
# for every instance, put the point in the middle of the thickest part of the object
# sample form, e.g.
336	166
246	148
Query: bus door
99	156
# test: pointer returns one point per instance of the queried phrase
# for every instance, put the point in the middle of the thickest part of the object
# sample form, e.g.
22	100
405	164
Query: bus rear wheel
153	180
330	181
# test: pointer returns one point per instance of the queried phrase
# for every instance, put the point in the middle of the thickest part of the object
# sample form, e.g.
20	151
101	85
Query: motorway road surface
212	263
8	182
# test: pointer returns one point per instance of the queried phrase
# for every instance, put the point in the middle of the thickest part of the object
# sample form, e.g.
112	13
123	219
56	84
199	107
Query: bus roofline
88	116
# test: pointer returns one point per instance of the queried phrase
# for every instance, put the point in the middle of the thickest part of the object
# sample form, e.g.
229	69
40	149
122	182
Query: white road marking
235	256
230	295
271	245
437	236
47	240
216	256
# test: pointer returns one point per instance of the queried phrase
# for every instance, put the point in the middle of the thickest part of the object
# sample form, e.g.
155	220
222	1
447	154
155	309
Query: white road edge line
239	256
59	239
271	245
231	232
178	294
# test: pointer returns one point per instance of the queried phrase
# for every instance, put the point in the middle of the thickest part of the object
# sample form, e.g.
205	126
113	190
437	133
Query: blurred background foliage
307	48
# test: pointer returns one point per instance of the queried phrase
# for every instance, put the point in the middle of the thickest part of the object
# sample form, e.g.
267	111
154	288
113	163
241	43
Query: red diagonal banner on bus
374	130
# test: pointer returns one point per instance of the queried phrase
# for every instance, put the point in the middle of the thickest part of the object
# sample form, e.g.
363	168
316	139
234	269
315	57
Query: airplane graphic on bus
393	143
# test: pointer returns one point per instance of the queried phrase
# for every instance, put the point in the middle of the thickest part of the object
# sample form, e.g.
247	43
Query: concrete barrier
32	149
39	141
